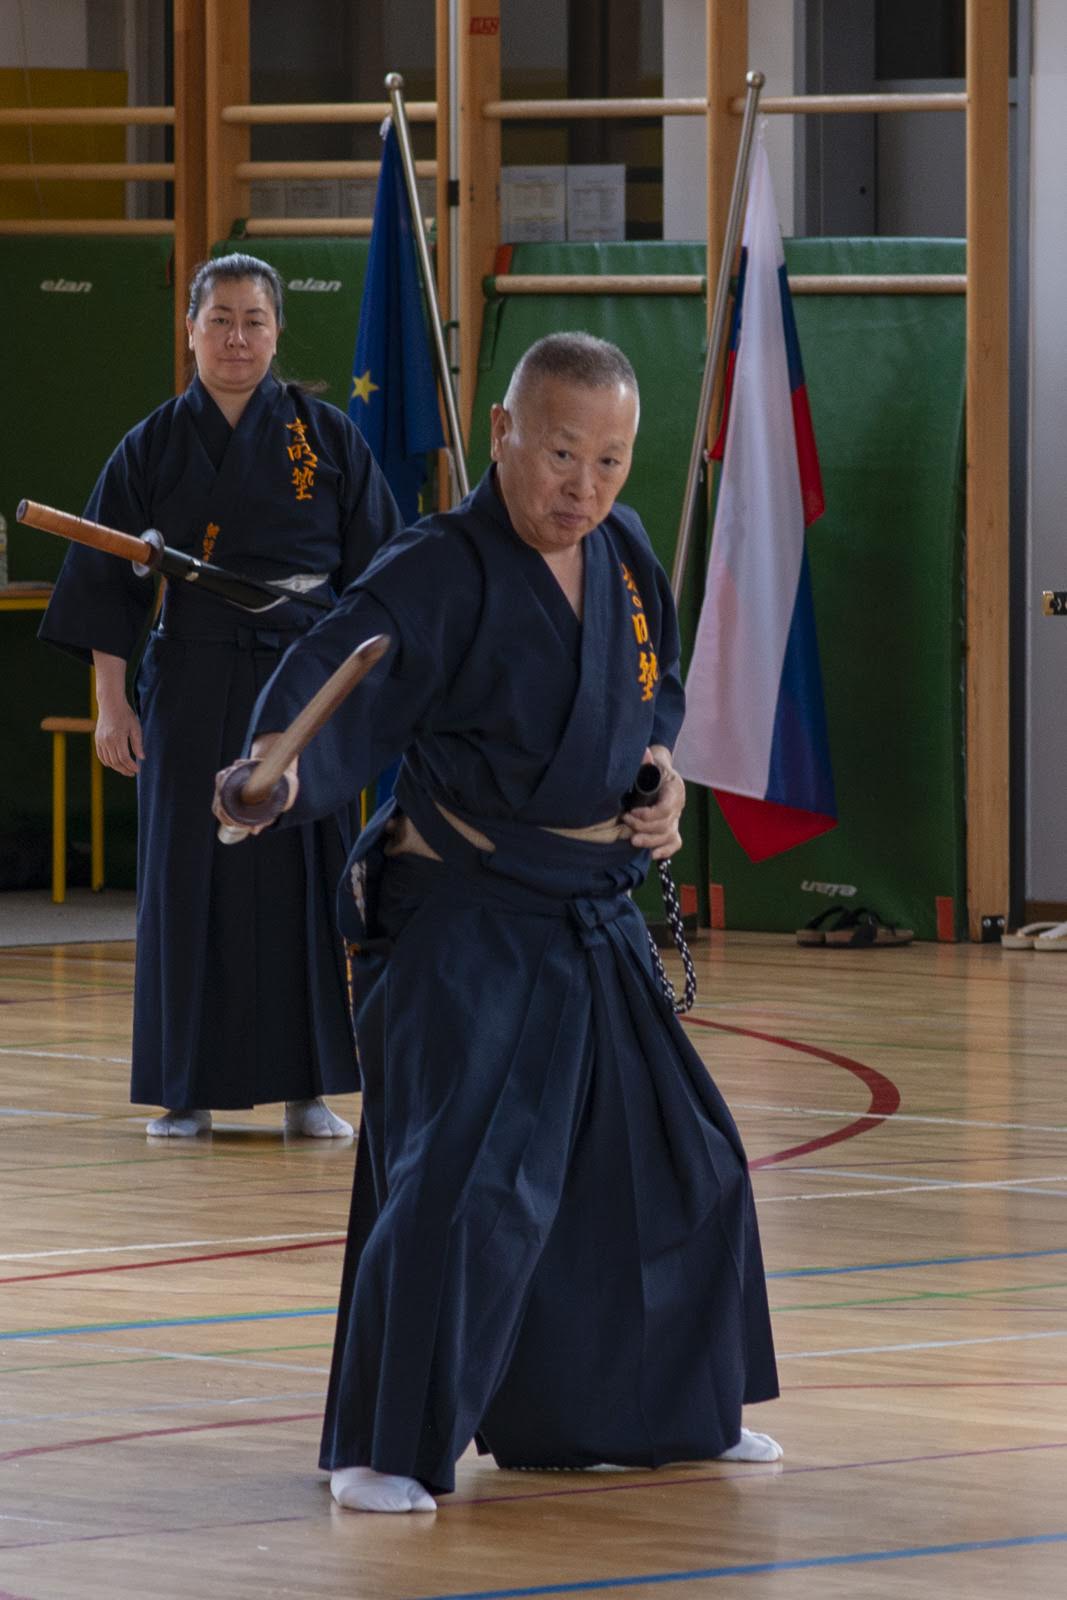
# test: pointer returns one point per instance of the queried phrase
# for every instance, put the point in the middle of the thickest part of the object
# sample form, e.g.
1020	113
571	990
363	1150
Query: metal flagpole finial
394	80
755	80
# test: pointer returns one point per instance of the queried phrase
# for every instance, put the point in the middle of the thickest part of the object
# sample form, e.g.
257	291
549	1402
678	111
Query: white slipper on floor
1054	938
1025	937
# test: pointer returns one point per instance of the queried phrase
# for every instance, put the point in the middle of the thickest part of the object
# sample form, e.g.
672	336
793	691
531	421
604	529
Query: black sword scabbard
645	792
247	593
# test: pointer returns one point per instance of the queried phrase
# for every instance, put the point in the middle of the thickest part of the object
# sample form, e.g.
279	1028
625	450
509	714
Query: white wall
1046	863
771	51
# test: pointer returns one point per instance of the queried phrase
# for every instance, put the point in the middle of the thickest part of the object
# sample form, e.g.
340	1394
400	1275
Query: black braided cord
677	927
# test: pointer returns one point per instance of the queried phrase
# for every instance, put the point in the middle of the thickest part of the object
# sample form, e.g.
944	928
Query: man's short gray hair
577	358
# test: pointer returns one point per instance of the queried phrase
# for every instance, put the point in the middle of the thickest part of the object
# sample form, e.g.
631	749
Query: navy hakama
553	1246
239	993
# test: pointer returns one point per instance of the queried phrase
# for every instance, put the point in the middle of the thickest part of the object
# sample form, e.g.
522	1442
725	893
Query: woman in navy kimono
553	1246
239	995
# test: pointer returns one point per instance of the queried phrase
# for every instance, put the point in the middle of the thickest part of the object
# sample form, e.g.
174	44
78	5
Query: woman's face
234	335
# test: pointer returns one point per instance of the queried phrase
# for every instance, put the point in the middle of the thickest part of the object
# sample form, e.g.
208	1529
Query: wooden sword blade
319	709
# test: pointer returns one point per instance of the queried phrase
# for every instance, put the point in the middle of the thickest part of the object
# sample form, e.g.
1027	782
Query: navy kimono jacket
239	986
553	1246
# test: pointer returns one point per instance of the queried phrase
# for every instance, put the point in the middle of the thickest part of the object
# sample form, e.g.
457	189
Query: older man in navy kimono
553	1246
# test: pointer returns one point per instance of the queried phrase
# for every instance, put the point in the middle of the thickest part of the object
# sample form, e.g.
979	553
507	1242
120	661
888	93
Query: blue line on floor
167	1322
922	1261
860	1558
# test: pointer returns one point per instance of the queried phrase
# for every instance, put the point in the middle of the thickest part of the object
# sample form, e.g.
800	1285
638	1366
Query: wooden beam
479	181
726	23
820	105
308	227
642	107
190	161
443	207
251	170
86	171
727	51
86	225
86	116
692	283
987	463
228	82
313	111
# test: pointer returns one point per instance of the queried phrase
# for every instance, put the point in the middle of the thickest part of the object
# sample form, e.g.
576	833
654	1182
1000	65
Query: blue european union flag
394	391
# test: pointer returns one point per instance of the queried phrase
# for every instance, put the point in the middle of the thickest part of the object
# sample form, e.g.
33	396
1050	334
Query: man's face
563	454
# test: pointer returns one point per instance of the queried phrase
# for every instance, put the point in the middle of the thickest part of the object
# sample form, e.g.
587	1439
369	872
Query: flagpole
716	329
394	83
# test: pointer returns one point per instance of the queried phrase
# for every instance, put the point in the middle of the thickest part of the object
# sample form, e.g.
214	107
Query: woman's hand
655	827
119	741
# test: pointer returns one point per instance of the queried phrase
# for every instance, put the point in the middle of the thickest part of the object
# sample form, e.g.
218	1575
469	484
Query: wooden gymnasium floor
167	1314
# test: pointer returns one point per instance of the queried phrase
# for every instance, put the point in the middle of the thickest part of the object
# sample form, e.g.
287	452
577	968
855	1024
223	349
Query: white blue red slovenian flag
755	727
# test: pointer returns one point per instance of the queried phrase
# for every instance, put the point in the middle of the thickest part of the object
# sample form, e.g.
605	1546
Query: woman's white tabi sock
313	1119
753	1447
179	1125
362	1489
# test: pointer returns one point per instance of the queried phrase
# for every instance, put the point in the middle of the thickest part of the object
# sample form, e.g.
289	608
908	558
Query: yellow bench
59	727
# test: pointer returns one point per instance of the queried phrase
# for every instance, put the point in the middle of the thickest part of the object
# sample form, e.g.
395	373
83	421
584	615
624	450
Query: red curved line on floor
885	1096
157	1433
174	1261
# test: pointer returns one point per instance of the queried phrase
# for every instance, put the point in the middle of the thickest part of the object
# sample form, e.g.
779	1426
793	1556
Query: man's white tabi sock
362	1489
753	1447
313	1119
179	1124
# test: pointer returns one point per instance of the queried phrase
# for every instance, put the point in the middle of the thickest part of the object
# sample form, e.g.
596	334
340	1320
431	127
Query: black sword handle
646	787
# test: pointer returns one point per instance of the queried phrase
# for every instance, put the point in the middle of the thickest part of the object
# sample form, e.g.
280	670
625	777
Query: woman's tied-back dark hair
229	268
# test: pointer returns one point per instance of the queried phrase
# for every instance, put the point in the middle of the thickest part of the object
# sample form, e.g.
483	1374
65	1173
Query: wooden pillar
443	207
190	166
443	136
227	78
987	463
479	181
727	51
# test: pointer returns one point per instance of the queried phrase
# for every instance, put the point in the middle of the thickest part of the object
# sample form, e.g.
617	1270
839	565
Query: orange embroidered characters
304	460
647	665
211	533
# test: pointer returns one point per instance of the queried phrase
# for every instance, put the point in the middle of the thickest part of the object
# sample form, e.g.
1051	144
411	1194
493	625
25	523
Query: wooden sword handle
258	794
81	531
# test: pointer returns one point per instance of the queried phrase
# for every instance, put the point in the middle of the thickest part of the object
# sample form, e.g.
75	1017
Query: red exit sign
487	25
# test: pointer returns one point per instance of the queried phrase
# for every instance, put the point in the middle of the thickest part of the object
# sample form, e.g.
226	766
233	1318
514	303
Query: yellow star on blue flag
402	424
362	387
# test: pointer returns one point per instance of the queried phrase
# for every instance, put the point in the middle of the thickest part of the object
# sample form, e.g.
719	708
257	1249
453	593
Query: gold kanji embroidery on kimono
647	664
211	533
303	458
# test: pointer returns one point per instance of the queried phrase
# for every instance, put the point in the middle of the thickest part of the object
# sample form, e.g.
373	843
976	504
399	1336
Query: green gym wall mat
88	338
